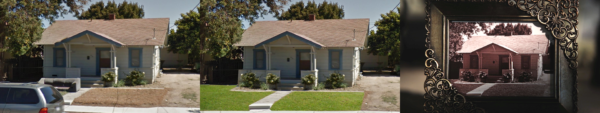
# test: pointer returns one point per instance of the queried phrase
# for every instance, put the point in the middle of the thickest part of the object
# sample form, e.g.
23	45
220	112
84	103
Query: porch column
540	63
68	57
113	57
512	70
268	55
313	54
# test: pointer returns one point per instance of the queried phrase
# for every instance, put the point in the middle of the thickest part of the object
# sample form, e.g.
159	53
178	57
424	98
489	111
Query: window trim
130	53
64	57
254	64
330	59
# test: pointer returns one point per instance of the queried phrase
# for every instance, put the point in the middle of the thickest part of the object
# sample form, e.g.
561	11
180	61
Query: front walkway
266	103
96	109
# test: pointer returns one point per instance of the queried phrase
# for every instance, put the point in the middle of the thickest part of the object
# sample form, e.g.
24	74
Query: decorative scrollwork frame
559	18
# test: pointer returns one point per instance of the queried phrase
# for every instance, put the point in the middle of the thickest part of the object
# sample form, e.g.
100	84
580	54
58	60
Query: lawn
218	97
320	101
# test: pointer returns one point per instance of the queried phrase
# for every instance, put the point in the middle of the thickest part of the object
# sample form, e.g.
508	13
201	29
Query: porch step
91	82
290	85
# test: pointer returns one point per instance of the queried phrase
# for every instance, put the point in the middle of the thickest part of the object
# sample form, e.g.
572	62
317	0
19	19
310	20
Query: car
30	98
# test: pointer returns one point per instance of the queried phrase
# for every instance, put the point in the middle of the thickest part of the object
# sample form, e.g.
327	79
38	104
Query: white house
90	48
292	49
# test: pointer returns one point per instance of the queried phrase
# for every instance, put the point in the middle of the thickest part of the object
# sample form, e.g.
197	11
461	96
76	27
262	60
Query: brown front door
504	63
304	62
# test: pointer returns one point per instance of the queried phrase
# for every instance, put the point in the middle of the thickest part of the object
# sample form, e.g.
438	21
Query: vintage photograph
496	59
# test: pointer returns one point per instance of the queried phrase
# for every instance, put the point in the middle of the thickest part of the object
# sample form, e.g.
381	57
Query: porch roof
323	33
94	34
520	44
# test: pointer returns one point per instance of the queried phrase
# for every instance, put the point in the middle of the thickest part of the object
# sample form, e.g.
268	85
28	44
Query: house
90	48
499	55
293	49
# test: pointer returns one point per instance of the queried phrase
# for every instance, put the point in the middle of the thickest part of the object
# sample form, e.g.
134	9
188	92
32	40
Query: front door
103	59
504	63
303	62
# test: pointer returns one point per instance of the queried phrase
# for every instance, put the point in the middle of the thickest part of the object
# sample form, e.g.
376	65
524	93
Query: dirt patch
122	97
381	93
183	88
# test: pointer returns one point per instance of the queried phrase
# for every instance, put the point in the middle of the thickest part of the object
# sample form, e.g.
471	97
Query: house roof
320	33
520	44
118	31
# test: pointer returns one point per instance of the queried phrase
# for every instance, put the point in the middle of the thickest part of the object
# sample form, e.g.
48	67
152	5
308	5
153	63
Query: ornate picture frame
559	20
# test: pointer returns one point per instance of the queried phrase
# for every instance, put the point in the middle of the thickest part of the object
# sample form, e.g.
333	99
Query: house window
135	57
335	59
59	57
474	62
259	59
525	62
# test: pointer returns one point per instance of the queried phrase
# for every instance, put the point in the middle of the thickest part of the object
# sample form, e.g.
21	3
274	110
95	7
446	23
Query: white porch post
68	57
539	64
113	56
268	55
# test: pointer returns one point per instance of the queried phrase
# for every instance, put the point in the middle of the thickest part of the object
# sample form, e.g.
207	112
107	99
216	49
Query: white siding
147	64
248	57
49	68
79	54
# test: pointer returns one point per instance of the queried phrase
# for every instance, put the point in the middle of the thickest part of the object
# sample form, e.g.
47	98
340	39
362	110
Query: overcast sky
173	10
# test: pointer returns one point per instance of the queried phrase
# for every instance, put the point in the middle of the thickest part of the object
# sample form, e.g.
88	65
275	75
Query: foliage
272	79
309	79
99	10
320	86
458	30
120	83
135	78
21	21
468	76
386	41
510	29
507	77
482	76
525	77
216	25
336	80
264	86
109	77
325	10
249	80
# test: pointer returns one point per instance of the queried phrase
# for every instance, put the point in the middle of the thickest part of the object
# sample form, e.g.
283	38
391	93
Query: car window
51	95
3	95
22	96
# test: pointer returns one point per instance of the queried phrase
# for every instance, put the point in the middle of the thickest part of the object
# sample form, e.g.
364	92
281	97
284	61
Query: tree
21	22
325	10
123	10
386	41
216	25
458	30
510	29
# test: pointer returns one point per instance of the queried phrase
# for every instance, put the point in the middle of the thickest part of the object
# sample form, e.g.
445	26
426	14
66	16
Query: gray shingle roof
125	31
327	32
520	44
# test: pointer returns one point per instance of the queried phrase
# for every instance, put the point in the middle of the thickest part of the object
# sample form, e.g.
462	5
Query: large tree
510	29
21	22
458	30
325	10
386	41
215	26
99	10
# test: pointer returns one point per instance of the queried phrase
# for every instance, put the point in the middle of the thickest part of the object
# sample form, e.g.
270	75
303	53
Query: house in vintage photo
502	55
292	49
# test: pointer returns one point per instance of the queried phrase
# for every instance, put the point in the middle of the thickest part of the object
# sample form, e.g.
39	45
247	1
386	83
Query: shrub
335	80
109	77
343	85
320	86
507	77
264	86
525	77
468	76
309	79
272	79
249	80
135	78
120	83
482	76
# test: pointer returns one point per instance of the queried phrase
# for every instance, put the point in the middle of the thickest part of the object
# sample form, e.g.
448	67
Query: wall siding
371	60
171	58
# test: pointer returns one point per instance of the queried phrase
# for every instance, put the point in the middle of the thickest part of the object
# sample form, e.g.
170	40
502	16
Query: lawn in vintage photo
498	59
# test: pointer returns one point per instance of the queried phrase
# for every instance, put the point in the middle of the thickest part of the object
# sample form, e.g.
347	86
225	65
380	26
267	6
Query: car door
54	100
3	95
22	100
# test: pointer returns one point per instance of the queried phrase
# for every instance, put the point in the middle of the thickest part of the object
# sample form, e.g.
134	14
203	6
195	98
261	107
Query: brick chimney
111	16
311	17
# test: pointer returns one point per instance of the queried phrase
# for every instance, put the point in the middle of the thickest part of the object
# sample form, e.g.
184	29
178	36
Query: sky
173	10
535	30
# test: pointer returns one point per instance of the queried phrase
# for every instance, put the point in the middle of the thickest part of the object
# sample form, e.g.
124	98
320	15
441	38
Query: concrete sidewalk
98	109
300	112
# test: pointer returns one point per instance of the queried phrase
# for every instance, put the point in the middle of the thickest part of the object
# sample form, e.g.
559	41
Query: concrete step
260	106
260	109
289	81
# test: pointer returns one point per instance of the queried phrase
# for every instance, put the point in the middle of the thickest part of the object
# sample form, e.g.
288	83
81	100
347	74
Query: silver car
30	98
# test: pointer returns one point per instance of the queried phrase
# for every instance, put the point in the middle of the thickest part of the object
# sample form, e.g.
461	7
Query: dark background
413	51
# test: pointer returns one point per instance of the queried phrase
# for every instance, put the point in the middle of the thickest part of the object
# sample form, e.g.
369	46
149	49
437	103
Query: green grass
218	97
63	93
320	101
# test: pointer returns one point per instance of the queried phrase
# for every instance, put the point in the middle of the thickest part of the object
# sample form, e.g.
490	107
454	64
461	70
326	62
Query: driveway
184	89
382	93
